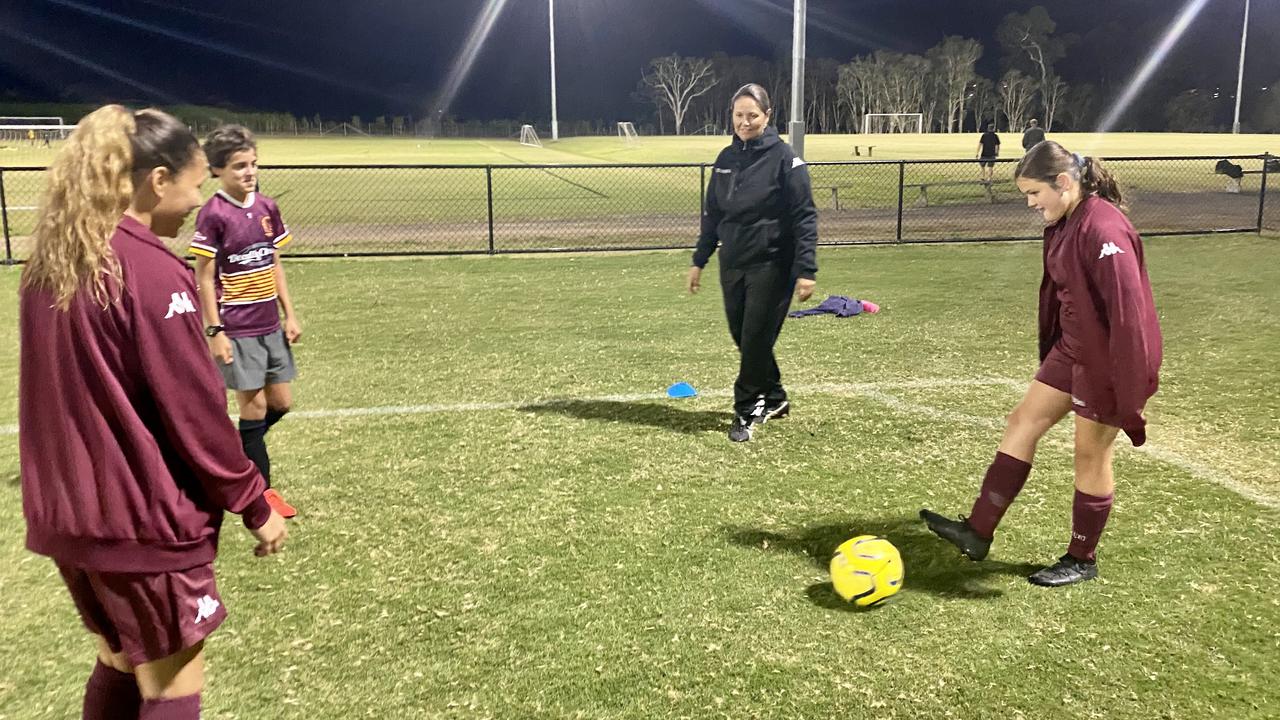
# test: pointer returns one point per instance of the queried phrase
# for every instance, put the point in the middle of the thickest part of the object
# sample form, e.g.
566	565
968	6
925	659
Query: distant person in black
988	151
759	211
1033	135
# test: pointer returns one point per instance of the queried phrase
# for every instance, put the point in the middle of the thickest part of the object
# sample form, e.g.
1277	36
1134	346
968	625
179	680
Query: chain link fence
450	209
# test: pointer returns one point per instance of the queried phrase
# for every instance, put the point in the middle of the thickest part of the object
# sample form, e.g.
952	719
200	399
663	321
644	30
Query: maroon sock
183	708
1088	517
1002	483
111	695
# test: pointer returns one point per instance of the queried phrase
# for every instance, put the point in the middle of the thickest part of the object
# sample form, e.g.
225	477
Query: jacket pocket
745	245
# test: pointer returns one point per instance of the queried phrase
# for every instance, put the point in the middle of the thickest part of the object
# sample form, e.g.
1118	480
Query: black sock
273	417
253	437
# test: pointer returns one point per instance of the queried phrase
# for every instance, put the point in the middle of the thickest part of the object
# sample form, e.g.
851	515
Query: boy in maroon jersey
128	458
238	236
1100	352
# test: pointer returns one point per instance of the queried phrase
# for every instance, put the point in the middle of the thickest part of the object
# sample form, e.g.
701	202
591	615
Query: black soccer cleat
958	533
742	427
774	411
1069	570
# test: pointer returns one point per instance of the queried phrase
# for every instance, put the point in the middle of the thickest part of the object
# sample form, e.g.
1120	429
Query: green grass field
699	148
502	517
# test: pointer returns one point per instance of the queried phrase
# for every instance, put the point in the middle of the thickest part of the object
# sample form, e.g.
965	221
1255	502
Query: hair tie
1079	159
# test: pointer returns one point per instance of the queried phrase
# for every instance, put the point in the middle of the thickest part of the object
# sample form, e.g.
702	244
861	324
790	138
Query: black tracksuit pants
756	300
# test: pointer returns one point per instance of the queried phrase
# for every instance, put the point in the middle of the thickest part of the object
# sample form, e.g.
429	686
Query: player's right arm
708	237
219	344
204	246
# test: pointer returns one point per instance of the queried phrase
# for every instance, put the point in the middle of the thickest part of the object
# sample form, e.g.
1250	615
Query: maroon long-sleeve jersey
1094	258
128	455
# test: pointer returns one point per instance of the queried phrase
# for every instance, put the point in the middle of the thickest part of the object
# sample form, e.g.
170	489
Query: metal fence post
1262	193
902	179
4	220
488	179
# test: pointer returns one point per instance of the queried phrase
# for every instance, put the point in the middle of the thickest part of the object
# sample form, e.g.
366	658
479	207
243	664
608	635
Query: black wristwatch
213	330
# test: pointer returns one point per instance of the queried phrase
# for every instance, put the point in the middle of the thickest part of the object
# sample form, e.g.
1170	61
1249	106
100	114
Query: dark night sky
391	56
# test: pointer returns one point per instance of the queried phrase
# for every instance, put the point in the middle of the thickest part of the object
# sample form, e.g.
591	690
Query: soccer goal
27	132
627	132
893	123
31	120
529	136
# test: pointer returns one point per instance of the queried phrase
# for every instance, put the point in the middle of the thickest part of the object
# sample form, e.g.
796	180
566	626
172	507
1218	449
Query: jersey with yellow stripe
242	238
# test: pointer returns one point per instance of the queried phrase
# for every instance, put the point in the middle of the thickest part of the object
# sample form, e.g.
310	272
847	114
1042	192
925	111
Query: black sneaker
775	410
742	427
958	533
1067	571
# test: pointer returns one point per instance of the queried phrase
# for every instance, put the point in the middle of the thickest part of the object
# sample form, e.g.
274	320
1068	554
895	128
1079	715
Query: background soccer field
608	206
501	517
697	148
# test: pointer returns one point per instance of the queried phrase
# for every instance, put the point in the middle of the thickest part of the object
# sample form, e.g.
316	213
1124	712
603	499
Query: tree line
688	94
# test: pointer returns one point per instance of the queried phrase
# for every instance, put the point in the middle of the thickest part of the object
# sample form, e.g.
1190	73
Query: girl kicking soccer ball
1100	352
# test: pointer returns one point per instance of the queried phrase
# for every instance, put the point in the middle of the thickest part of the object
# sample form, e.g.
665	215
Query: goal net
627	132
529	136
31	120
893	123
36	134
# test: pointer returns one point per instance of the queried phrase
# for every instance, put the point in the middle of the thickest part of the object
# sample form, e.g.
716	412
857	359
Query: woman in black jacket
760	211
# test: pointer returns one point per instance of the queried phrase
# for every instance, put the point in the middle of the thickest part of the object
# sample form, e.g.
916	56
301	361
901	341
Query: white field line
824	389
875	391
1193	468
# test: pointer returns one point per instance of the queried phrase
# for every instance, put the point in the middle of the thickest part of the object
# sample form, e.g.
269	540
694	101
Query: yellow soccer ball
866	570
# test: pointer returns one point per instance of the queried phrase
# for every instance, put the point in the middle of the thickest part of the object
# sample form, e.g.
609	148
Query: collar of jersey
248	199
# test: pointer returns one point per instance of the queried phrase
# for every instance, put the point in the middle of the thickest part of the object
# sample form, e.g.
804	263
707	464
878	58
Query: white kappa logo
205	608
1109	249
179	304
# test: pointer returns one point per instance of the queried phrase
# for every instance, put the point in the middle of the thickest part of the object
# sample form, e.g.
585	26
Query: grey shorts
260	361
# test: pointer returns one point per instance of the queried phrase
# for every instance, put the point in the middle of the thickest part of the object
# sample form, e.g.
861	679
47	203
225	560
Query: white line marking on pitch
873	391
1191	467
829	389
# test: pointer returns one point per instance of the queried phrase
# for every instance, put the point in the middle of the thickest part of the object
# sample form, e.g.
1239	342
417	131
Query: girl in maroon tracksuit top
1100	351
128	457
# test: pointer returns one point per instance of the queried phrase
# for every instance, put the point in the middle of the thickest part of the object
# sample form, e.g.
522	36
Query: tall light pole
551	21
796	126
1244	39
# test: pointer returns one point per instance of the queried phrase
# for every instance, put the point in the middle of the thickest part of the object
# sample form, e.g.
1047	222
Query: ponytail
1047	160
88	187
1096	179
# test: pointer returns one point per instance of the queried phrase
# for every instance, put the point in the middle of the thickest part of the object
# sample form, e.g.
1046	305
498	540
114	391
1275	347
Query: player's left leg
253	436
279	398
112	689
171	686
276	401
253	428
768	294
1091	506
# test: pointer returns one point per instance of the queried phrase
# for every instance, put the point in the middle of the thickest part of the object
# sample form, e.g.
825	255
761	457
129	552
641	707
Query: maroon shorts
1060	372
147	616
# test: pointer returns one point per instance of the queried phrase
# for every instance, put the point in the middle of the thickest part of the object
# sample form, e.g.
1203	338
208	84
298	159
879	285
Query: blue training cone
681	390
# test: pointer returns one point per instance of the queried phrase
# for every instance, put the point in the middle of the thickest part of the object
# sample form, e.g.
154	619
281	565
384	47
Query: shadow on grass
16	480
932	566
652	414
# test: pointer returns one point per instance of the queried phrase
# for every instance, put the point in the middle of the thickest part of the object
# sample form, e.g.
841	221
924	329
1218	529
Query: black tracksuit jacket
760	208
